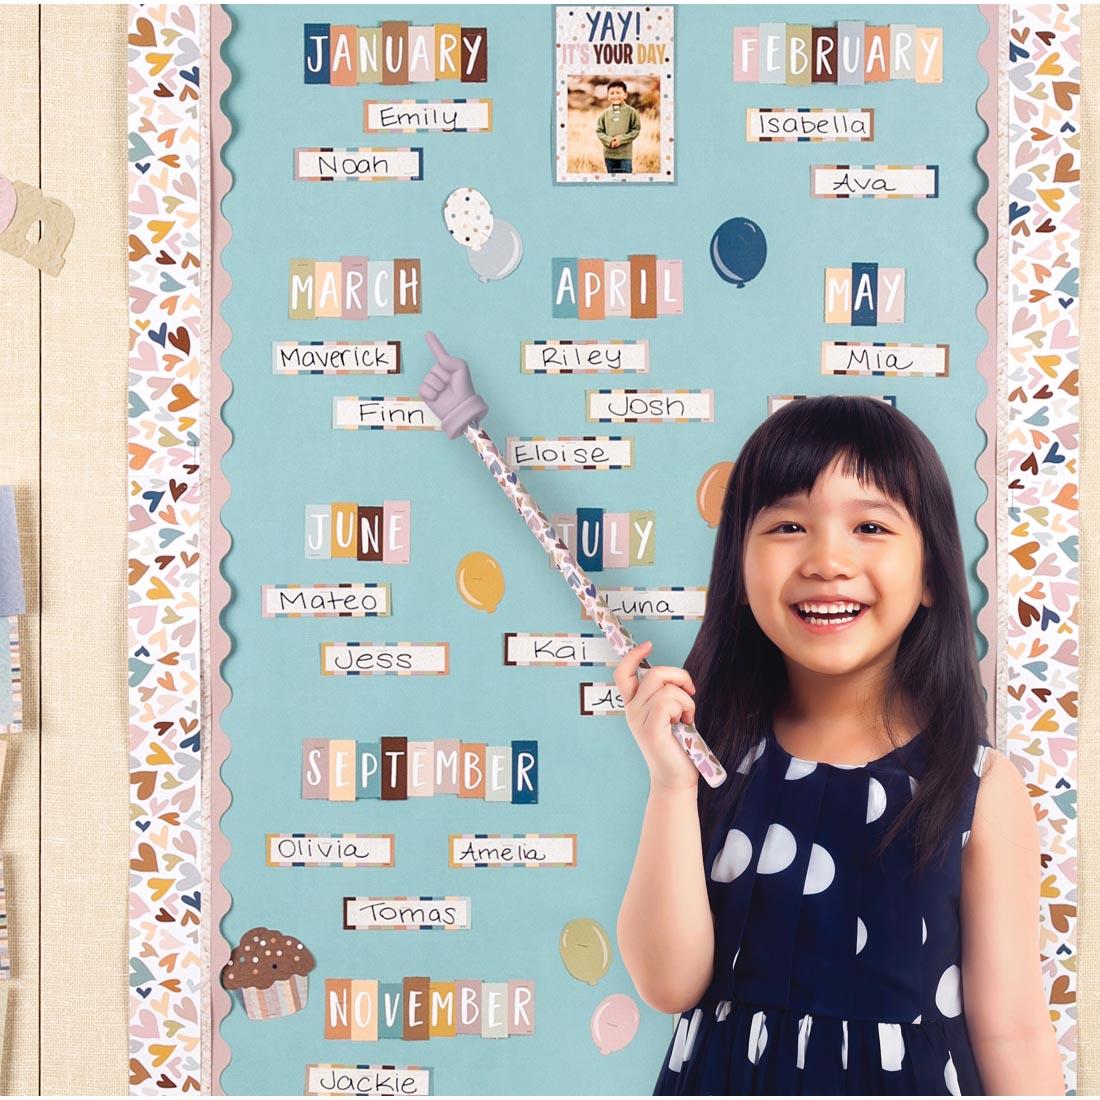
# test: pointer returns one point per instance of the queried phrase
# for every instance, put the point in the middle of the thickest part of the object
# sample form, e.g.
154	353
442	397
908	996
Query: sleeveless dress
831	977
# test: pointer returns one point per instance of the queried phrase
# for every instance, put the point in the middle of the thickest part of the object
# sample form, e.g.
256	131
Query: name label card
570	452
864	294
450	914
395	768
781	124
649	406
329	850
517	850
367	164
641	286
875	181
671	603
448	116
335	357
419	1008
353	288
329	1079
599	700
523	650
319	601
583	356
379	658
380	413
890	360
359	532
607	540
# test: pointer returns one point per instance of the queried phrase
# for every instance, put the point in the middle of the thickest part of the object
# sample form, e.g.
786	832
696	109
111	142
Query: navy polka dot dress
834	974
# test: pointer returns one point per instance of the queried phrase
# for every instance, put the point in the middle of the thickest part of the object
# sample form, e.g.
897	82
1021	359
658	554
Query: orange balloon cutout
480	581
712	491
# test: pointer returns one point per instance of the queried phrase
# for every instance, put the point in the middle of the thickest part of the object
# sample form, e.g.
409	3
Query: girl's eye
879	529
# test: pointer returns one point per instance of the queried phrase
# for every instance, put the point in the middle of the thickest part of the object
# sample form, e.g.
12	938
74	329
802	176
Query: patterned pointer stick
448	391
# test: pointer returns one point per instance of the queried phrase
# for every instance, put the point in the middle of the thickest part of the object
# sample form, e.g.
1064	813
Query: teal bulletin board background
744	343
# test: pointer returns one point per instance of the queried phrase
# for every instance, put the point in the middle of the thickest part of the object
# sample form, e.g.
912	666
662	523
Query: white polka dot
891	1046
876	800
966	837
804	1026
979	759
819	872
798	769
758	1036
777	851
923	931
733	858
847	767
722	1010
733	965
844	1043
693	1030
951	1077
752	756
917	1020
861	935
912	786
949	991
676	1056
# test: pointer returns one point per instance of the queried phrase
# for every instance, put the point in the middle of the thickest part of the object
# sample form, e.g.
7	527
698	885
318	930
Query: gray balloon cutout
500	255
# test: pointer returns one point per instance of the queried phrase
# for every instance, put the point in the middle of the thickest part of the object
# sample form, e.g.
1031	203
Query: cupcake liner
281	998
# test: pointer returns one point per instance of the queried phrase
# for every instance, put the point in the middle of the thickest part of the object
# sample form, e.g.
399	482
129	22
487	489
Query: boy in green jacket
617	128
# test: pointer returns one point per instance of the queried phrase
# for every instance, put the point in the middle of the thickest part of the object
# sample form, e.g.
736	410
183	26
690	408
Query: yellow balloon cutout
480	581
712	491
585	950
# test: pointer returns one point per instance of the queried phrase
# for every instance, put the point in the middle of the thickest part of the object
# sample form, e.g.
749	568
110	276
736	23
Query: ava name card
875	181
607	540
650	406
584	356
335	357
380	658
640	286
654	603
394	53
889	359
419	1008
570	452
524	650
395	768
518	850
318	601
329	850
360	532
406	914
327	164
383	414
864	294
780	124
448	116
353	288
329	1079
851	53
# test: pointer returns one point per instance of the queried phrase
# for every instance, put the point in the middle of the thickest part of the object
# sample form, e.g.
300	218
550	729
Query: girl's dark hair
738	671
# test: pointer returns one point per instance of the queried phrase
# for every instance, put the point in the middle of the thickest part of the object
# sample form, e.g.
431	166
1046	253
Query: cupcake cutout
269	972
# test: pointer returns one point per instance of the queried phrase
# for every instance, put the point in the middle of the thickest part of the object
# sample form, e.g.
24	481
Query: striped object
282	998
11	679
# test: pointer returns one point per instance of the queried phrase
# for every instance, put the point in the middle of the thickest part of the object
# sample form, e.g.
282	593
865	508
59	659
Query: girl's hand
662	697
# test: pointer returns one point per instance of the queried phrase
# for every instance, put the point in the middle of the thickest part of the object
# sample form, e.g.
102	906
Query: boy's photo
614	125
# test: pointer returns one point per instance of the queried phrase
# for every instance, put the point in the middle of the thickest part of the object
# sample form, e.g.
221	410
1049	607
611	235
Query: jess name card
381	658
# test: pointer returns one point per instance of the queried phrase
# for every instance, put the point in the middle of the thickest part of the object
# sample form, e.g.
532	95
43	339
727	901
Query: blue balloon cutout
738	250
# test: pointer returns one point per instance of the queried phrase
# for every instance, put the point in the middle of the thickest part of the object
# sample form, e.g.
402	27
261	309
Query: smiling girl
815	921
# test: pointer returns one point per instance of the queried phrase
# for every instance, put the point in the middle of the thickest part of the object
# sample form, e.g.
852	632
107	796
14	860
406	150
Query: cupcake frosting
265	956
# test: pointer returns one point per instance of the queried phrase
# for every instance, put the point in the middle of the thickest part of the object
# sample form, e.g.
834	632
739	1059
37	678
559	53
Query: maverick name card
649	406
888	359
360	532
584	356
419	1008
851	53
641	286
781	124
875	181
380	658
380	413
320	601
353	288
523	650
570	452
335	357
669	604
406	914
607	540
394	53
329	1079
864	294
366	164
519	850
394	769
329	850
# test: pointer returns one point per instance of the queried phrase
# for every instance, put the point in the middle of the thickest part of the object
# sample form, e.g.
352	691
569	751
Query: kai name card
406	914
518	850
448	116
395	769
558	650
380	413
419	1008
359	532
584	356
889	359
875	181
641	286
850	53
335	357
352	288
318	601
864	294
393	52
366	164
569	452
649	406
672	603
781	124
380	658
329	850
329	1079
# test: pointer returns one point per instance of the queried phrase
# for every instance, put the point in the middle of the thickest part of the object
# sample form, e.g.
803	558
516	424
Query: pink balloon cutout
614	1023
7	203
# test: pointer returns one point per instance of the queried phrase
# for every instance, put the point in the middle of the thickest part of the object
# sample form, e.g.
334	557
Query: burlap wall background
63	345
